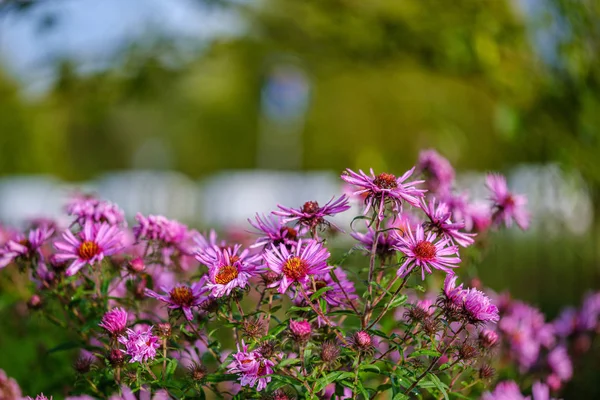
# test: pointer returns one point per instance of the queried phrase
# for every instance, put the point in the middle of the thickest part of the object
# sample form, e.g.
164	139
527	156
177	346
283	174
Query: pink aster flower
440	223
541	391
425	252
507	390
21	246
384	188
437	170
311	214
453	295
181	297
274	232
297	264
87	208
89	246
227	269
508	206
253	368
300	330
140	344
479	308
114	321
9	388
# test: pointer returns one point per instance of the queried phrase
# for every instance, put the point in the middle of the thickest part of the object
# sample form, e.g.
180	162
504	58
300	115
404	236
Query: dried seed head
269	277
210	306
467	351
416	314
83	364
253	328
486	372
267	349
197	371
330	352
430	326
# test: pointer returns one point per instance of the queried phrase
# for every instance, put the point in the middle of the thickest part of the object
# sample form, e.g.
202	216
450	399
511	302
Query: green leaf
296	308
370	368
425	352
171	366
66	346
319	292
289	361
400	396
332	377
222	377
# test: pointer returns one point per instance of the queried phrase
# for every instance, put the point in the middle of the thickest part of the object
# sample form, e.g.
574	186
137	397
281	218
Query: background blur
208	111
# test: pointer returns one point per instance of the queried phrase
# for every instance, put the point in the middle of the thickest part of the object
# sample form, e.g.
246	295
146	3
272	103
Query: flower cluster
282	309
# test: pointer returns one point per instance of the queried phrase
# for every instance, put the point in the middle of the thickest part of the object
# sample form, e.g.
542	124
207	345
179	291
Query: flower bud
488	338
164	329
253	328
35	302
467	351
136	265
300	330
486	372
362	342
269	277
116	357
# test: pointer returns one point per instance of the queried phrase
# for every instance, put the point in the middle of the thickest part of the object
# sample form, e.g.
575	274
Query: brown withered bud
269	277
468	351
330	352
164	329
116	357
279	394
197	371
83	364
253	328
210	306
267	349
430	326
486	372
416	314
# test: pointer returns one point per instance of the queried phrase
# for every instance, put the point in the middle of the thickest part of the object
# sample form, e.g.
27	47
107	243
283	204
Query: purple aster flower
526	331
87	208
90	246
296	264
300	330
9	388
440	223
311	215
227	269
508	206
560	363
479	308
40	396
437	170
181	297
383	188
588	318
140	344
274	232
541	391
566	323
21	246
385	242
425	252
488	338
454	296
114	321
253	368
143	394
507	390
160	228
334	297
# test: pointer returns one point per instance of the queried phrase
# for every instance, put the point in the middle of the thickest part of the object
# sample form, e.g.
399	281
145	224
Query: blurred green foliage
388	78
